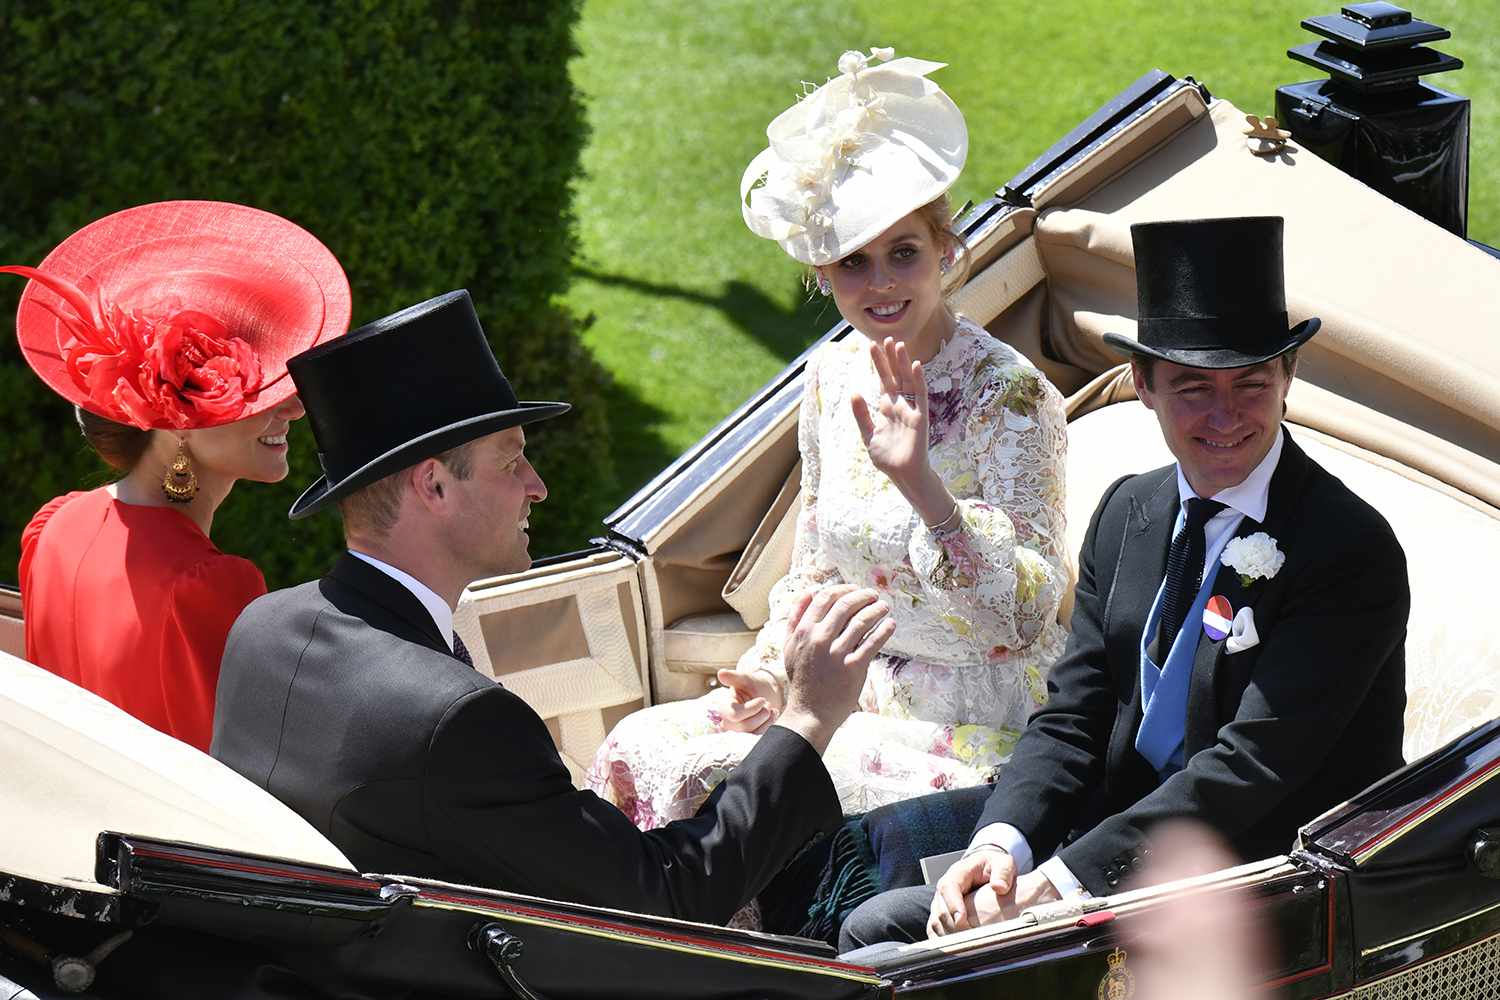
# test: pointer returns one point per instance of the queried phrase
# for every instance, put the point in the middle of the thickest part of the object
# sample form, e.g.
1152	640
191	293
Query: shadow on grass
640	452
784	332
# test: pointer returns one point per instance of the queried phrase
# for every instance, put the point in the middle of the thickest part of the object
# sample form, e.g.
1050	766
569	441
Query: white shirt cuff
1007	838
1054	871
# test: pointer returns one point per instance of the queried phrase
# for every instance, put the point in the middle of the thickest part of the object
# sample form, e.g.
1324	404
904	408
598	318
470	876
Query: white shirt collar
1249	497
438	608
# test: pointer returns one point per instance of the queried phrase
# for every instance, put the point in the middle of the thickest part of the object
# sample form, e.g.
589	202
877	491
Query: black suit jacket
341	699
1275	734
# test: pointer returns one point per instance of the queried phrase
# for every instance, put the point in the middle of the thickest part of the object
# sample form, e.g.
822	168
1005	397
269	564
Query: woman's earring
180	484
945	264
824	285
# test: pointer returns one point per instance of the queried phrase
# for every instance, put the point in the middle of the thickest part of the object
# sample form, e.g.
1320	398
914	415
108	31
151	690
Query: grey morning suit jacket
341	699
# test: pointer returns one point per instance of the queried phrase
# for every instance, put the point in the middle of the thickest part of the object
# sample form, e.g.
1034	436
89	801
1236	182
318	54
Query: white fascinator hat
850	159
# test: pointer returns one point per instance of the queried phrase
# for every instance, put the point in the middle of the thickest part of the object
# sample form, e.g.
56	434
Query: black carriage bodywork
1394	888
1396	885
207	922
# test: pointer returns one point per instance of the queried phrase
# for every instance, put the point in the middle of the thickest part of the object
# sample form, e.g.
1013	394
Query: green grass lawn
692	312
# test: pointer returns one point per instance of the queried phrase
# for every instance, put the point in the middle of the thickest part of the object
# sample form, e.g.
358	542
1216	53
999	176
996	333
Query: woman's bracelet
948	523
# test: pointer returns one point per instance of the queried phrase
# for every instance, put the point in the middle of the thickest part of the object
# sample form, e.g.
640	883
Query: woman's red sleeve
203	604
33	531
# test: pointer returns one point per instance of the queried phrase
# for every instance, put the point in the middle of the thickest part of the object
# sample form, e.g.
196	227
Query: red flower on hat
180	369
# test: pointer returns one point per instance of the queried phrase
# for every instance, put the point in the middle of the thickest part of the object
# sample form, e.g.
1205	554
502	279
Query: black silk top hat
1211	293
402	389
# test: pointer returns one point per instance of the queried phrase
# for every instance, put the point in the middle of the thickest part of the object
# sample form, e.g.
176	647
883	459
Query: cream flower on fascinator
854	62
853	156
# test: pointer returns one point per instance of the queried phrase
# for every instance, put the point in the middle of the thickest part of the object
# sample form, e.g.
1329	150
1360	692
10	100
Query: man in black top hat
1236	655
352	700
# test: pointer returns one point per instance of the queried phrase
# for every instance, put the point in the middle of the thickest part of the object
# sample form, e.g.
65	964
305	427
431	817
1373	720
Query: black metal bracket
502	948
1203	90
1484	851
1014	197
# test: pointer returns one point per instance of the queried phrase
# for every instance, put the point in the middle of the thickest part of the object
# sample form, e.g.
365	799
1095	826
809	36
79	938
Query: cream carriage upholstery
76	765
12	631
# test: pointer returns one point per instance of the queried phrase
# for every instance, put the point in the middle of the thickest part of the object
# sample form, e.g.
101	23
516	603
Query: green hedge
430	145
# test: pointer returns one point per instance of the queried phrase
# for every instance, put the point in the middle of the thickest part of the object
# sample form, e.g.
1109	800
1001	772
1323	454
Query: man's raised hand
832	634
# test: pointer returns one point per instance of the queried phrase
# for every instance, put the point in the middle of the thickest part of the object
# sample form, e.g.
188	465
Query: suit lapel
1143	564
1286	484
1202	713
395	609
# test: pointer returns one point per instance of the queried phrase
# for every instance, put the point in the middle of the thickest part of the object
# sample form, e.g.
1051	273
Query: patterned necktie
1184	571
461	651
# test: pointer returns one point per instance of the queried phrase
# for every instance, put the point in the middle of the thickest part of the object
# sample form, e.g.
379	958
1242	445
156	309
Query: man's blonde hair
372	511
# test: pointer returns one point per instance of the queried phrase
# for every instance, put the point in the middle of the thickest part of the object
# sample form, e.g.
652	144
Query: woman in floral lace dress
932	470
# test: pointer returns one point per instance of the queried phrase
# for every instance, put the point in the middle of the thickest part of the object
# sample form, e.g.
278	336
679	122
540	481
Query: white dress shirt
1248	499
438	608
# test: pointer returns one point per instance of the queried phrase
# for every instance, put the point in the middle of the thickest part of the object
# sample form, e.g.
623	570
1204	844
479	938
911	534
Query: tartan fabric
883	850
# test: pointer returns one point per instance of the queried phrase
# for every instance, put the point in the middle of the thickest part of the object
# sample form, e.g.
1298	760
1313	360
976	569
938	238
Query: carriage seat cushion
1452	653
694	649
702	644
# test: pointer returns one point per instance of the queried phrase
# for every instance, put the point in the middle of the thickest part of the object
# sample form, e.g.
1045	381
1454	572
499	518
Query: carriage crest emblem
1119	982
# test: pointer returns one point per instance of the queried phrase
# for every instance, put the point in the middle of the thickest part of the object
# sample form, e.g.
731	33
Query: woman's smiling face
253	448
893	286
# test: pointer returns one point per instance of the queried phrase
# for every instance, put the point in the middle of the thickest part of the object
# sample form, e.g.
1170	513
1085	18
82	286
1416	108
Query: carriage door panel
569	639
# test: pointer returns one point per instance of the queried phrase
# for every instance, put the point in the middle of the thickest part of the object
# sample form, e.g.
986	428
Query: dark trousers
899	915
900	835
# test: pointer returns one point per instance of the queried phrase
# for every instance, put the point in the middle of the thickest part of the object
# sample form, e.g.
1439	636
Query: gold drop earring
180	484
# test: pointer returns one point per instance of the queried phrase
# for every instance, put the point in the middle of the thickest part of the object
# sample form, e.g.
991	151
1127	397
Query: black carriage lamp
1375	118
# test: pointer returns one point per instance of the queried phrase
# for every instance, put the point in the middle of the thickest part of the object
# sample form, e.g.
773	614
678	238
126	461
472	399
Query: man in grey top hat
1236	655
352	700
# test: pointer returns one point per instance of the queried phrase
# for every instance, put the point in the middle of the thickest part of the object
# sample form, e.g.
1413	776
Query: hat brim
240	238
1217	357
323	492
907	156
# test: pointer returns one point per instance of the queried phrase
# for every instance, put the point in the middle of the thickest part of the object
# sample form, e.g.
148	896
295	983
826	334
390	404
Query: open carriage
125	853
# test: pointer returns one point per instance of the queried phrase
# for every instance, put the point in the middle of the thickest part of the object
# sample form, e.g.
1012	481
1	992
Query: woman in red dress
168	326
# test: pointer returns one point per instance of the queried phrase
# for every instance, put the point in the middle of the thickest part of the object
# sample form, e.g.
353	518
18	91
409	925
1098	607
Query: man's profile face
488	530
1218	423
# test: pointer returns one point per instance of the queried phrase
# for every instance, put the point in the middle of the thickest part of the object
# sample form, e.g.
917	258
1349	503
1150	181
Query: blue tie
1184	571
461	651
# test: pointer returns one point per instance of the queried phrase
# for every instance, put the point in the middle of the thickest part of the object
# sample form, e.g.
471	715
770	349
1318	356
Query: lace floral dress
975	607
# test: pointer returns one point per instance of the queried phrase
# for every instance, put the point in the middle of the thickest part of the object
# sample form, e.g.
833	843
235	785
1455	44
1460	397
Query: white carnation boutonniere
1254	557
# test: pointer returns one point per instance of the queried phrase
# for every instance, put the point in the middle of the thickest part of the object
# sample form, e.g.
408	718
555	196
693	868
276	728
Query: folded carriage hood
1411	312
75	766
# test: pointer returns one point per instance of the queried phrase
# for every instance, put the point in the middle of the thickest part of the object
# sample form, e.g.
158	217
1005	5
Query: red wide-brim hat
180	314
